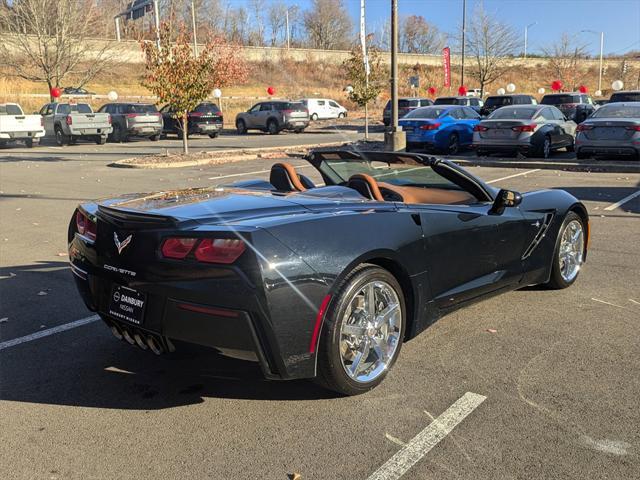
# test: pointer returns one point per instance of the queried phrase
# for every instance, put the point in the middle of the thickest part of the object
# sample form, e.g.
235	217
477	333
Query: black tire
241	127
480	153
556	281
582	156
331	372
155	138
29	142
101	140
214	135
454	144
272	127
341	115
545	148
314	117
61	138
116	135
571	148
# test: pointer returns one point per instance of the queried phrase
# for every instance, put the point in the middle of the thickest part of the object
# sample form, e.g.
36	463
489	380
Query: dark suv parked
576	106
205	119
133	119
494	102
474	102
273	117
405	105
628	96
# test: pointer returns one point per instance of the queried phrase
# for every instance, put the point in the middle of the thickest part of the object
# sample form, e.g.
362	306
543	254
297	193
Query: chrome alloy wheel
370	332
571	251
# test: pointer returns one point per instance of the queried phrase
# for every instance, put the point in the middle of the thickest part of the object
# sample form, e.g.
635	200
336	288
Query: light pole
193	24
394	138
526	36
464	27
601	54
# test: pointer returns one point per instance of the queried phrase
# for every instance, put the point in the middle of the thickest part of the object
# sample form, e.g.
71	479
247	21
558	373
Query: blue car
441	128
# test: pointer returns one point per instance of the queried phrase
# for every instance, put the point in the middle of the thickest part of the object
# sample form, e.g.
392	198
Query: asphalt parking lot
531	384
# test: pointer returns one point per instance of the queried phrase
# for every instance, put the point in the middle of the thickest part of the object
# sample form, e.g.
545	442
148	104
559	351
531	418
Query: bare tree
419	36
277	15
490	42
565	57
328	25
256	12
50	40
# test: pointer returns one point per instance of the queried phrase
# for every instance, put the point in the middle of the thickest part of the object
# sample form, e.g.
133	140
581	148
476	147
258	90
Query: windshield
207	108
400	174
10	110
498	101
446	101
506	113
560	99
625	97
617	111
428	112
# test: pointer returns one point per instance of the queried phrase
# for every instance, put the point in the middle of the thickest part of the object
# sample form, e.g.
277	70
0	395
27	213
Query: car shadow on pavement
609	195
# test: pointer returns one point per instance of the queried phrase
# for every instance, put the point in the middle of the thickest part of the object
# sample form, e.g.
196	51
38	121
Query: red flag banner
446	65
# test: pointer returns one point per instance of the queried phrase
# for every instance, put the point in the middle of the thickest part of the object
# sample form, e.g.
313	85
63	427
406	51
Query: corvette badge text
123	271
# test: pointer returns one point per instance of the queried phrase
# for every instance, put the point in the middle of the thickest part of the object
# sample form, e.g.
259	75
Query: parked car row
528	129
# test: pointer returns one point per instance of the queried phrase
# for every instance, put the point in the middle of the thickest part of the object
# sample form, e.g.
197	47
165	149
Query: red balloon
431	90
462	90
55	92
556	85
271	90
583	89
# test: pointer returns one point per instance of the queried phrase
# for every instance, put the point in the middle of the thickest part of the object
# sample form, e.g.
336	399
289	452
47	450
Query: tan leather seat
366	185
283	177
432	196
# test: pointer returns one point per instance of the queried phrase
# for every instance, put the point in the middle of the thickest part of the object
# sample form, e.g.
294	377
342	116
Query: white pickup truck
15	125
68	122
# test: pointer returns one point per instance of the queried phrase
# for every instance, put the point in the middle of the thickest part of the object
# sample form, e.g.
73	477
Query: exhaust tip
140	341
127	336
116	331
154	345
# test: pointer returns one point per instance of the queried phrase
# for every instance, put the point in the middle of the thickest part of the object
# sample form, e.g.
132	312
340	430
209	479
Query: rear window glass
207	107
617	111
498	101
65	108
506	113
625	97
407	103
289	106
139	108
426	112
446	101
10	110
560	99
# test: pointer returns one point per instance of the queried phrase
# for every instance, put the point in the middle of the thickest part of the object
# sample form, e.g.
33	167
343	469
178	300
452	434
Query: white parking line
428	438
622	202
250	173
514	175
48	331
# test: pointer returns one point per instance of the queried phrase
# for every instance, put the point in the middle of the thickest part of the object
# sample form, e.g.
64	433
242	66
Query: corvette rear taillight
219	250
635	128
525	128
177	248
85	226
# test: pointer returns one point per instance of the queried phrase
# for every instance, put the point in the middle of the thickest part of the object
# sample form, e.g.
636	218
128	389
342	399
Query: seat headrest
283	177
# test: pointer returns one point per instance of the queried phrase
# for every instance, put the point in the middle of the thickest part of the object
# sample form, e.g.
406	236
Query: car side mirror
504	199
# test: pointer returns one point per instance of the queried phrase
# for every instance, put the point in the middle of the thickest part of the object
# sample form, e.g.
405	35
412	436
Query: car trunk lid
610	129
502	129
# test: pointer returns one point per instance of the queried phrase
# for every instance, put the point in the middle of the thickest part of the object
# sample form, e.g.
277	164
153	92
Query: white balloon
511	88
112	96
541	91
217	92
617	85
598	93
348	89
500	91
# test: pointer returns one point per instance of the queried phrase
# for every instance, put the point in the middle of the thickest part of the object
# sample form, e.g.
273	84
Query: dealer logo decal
121	245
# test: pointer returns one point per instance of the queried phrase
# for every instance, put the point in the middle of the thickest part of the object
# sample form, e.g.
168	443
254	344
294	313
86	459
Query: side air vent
539	236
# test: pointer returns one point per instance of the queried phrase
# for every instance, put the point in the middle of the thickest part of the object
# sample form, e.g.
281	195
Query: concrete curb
217	157
630	166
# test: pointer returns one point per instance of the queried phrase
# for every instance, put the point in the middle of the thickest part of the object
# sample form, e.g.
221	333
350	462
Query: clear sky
618	19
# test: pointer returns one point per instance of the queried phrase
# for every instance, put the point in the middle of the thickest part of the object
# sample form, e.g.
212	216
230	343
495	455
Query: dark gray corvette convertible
319	281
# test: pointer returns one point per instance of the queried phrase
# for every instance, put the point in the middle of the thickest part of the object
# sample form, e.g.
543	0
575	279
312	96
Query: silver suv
273	117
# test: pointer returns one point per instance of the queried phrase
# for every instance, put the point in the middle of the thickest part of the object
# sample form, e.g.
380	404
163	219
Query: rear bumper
599	149
79	132
205	128
502	147
146	131
296	125
21	135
